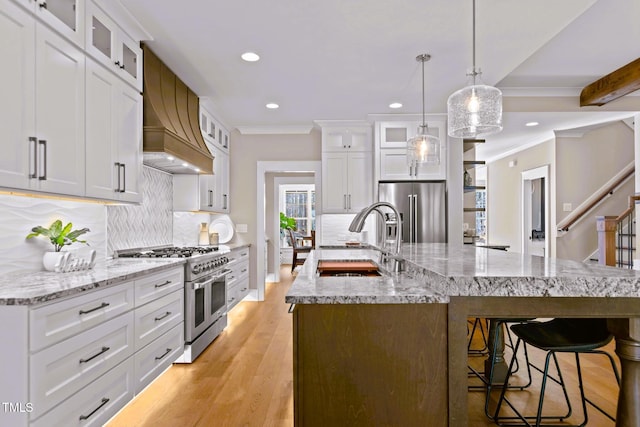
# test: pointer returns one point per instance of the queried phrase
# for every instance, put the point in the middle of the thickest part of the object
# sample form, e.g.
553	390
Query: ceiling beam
614	85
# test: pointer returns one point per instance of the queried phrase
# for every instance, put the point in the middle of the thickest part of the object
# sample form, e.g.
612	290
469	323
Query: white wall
579	165
245	153
504	188
584	163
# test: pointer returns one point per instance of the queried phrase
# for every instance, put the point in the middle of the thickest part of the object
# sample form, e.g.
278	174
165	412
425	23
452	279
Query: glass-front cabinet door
110	45
130	60
65	16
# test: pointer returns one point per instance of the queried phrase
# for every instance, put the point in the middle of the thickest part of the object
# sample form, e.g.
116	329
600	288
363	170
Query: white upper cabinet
42	107
114	136
347	167
17	85
71	128
346	139
221	173
194	193
109	44
66	17
391	140
59	157
217	139
212	130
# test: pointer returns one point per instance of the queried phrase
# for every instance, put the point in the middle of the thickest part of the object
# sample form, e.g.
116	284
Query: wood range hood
171	127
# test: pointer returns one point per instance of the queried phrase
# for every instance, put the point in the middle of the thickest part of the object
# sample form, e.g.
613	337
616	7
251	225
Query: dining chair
298	249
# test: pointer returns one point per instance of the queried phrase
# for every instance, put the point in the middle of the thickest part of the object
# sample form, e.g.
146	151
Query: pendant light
423	148
476	110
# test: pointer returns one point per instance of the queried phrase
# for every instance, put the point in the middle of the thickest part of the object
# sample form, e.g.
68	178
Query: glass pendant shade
474	111
423	148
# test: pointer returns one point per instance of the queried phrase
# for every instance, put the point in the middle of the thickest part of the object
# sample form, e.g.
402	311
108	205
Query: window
481	216
299	202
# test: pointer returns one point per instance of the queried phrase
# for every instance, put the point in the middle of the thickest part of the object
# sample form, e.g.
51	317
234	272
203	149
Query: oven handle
204	283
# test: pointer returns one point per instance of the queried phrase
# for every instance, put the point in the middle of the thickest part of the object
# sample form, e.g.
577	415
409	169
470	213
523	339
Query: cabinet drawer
232	296
238	270
95	404
157	317
152	360
54	322
156	285
64	368
238	255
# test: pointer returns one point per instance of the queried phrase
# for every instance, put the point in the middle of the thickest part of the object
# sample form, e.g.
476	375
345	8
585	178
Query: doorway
535	211
263	242
295	197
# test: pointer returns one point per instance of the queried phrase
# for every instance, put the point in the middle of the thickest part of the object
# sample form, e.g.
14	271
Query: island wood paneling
370	364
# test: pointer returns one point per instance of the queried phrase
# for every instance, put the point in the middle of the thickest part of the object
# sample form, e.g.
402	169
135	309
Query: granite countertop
435	272
32	288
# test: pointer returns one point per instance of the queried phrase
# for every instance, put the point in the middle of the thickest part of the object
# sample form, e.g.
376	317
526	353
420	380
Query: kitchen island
392	349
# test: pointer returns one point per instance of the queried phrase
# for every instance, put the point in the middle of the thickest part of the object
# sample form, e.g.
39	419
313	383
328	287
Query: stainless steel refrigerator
423	209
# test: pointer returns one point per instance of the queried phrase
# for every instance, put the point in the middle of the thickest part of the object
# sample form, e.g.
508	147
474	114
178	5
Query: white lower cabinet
78	360
238	277
152	360
95	404
64	368
157	317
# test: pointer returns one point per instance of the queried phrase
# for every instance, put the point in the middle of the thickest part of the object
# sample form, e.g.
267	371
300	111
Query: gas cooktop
169	252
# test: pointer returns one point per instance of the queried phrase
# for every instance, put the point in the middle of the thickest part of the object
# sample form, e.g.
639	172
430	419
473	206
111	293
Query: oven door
218	302
203	304
197	303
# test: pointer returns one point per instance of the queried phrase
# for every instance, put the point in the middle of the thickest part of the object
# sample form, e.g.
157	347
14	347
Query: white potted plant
59	236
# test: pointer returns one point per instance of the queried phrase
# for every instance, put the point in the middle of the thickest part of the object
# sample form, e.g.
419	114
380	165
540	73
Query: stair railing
616	236
597	197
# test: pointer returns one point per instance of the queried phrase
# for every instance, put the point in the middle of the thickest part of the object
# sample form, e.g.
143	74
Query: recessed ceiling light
272	106
250	56
395	105
186	165
170	158
530	124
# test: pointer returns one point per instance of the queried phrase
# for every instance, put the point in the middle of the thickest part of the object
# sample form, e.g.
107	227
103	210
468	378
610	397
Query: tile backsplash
18	215
148	224
113	227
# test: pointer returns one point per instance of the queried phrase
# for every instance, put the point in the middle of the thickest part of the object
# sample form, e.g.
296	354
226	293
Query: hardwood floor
245	378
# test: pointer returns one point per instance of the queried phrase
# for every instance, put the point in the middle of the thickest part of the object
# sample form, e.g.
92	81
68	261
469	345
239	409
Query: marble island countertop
435	272
29	288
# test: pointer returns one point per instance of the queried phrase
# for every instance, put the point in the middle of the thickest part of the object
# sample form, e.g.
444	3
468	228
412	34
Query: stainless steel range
205	296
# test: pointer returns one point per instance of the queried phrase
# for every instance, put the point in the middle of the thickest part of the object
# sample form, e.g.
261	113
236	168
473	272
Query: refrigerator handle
410	218
414	238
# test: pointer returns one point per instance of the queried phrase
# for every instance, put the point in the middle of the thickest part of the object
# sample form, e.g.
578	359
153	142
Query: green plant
58	235
287	222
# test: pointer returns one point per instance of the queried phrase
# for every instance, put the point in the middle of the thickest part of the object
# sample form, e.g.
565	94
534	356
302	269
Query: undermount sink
360	268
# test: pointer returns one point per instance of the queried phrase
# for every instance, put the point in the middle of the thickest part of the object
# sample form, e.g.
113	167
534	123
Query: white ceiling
346	59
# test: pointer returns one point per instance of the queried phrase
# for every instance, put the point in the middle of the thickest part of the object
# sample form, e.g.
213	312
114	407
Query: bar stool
488	383
558	336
